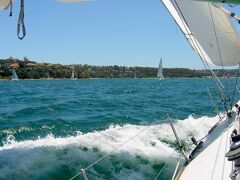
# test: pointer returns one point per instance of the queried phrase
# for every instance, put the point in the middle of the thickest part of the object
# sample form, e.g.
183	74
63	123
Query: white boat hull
211	163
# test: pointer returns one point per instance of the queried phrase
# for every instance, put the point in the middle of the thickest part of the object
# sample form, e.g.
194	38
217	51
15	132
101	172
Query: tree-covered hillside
27	69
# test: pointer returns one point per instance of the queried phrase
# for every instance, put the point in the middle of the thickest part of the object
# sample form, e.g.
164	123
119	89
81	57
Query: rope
20	24
82	171
103	157
160	171
227	12
164	166
10	7
175	172
214	105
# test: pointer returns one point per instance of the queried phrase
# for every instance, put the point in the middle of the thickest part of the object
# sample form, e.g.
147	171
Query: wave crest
141	158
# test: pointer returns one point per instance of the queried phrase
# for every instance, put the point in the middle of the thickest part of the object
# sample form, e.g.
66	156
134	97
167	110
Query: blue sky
103	32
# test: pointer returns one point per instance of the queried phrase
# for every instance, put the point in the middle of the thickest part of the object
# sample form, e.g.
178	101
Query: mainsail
208	29
160	71
14	76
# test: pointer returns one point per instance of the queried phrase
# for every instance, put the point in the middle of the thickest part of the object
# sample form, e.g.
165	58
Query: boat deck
211	163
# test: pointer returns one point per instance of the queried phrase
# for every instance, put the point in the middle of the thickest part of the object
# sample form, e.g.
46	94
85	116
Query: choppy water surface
52	129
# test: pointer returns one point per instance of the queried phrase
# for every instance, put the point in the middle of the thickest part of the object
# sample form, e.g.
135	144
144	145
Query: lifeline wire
82	171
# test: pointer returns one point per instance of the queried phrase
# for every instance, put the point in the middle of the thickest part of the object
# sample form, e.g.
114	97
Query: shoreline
109	78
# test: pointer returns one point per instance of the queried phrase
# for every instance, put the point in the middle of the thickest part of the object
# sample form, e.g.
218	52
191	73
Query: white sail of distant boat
160	70
73	76
14	76
210	32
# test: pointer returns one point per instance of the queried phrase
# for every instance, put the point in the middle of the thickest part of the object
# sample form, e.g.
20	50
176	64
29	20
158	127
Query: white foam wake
113	136
137	159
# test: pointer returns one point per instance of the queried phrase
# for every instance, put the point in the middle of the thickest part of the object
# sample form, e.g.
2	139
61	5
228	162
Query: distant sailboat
73	77
48	77
160	71
14	76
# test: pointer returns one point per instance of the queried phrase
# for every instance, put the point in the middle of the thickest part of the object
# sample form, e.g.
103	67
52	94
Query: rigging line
231	14
212	73
219	85
215	76
224	101
178	141
235	85
213	104
176	168
82	171
103	157
166	163
160	171
222	95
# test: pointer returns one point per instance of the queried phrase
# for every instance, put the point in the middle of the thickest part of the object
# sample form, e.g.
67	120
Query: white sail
73	76
160	71
14	76
208	29
5	3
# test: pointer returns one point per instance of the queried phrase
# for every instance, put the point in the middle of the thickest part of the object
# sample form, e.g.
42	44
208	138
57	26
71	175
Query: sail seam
214	28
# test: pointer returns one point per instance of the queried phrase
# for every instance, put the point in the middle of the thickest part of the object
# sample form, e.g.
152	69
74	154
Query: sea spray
141	158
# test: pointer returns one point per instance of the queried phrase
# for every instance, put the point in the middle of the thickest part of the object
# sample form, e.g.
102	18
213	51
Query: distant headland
28	69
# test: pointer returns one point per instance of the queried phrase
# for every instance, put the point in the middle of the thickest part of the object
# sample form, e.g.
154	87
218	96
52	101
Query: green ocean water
51	129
